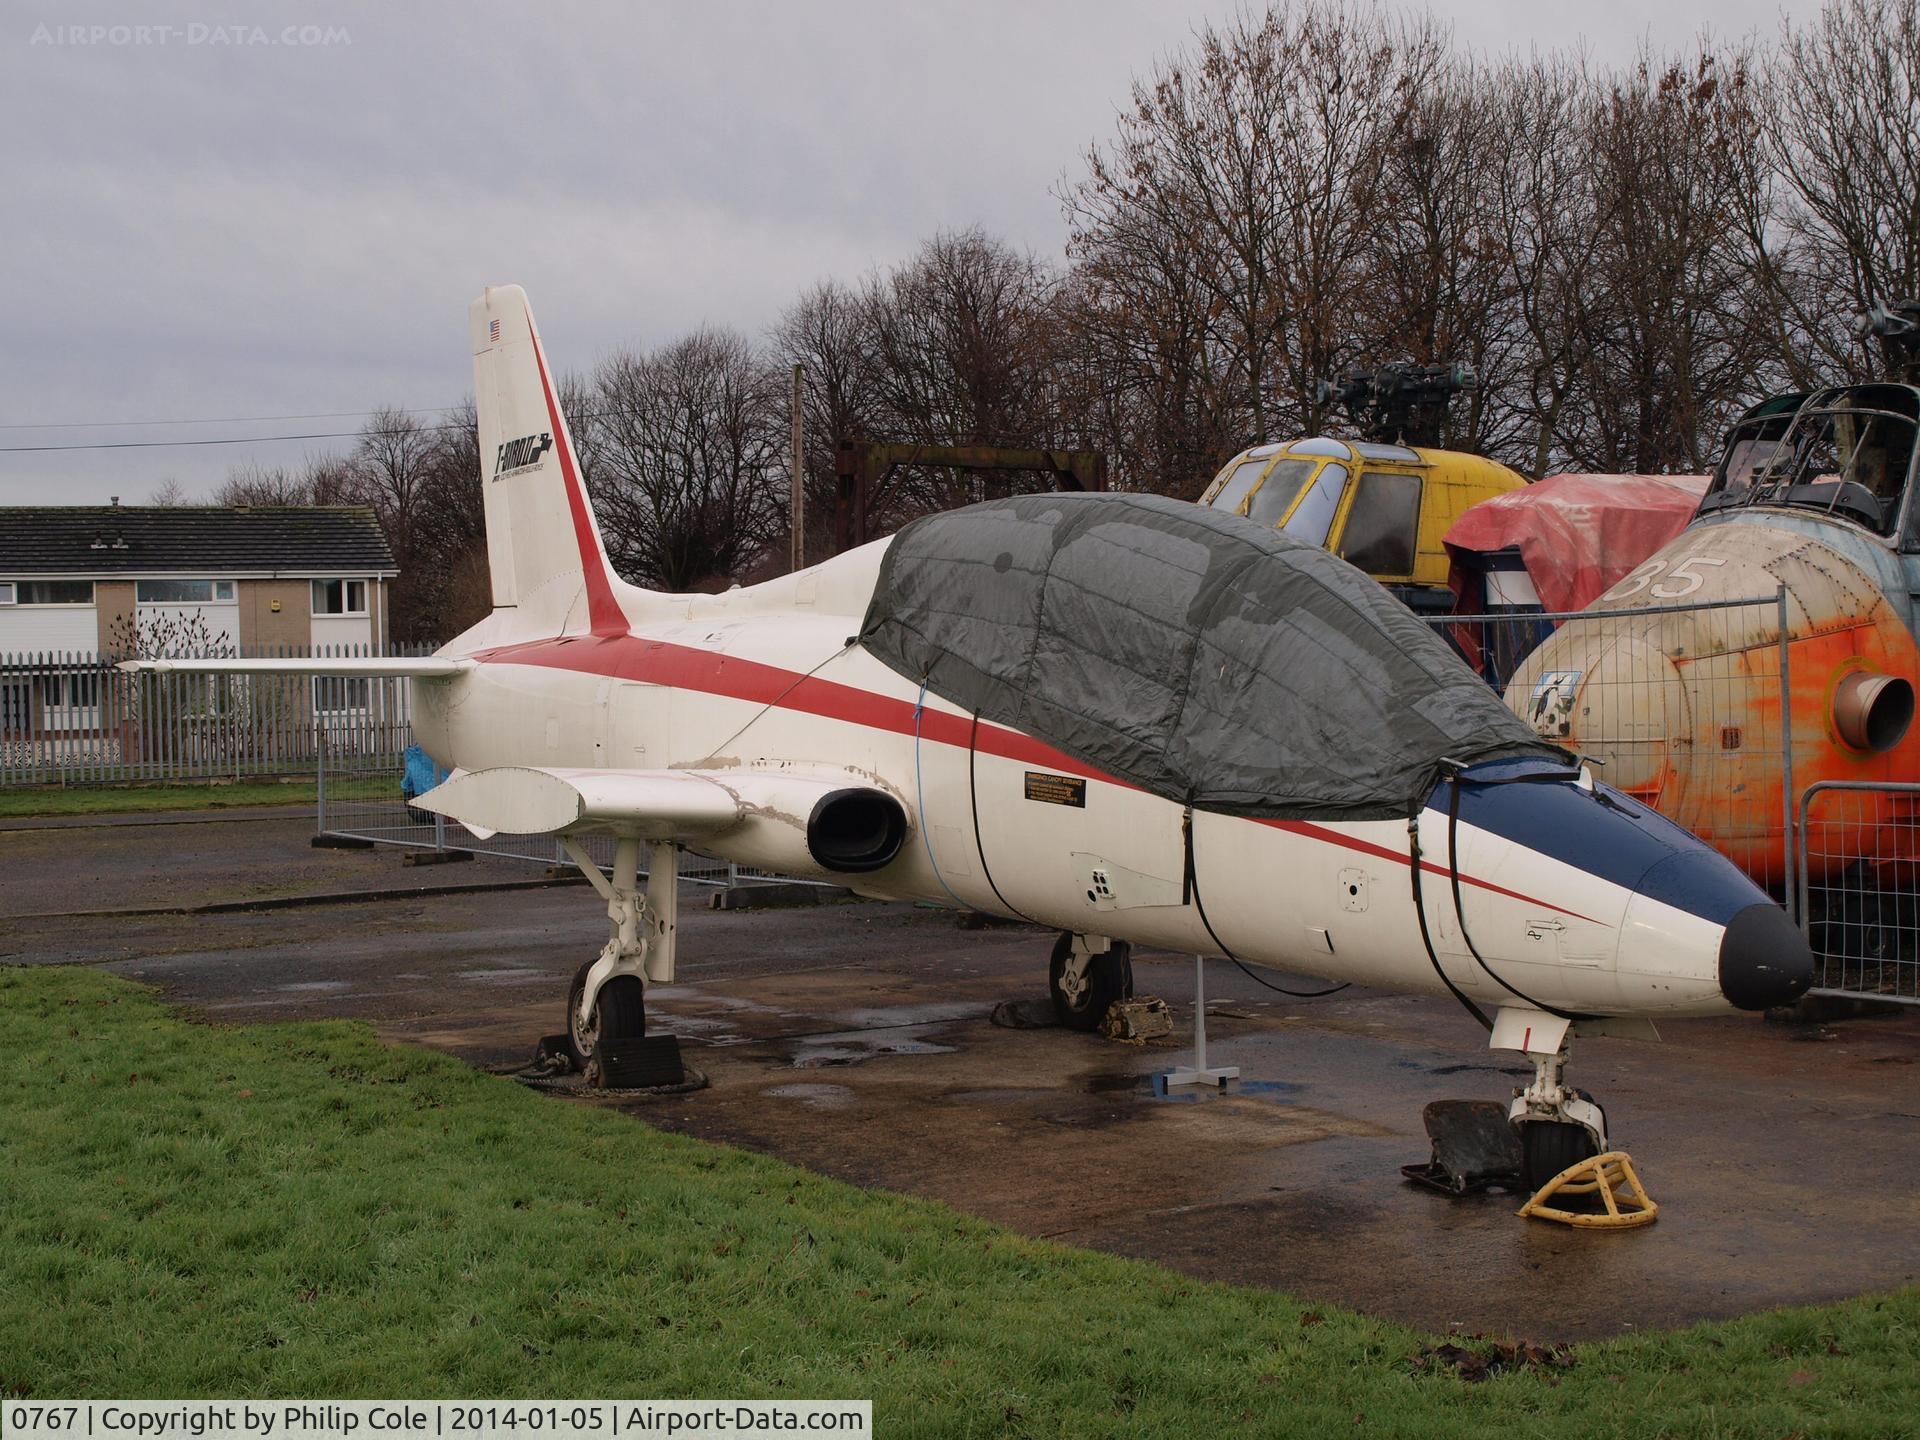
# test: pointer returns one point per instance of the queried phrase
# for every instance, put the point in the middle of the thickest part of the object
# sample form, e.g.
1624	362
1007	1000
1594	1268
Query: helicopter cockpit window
1746	459
1852	462
1848	453
1313	517
1275	497
1234	493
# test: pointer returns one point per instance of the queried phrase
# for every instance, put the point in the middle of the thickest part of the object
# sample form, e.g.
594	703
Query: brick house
77	581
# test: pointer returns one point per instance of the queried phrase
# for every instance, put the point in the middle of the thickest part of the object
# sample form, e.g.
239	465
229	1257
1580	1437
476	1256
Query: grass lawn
303	1211
129	799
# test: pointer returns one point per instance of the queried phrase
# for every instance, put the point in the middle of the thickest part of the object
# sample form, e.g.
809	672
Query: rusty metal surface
856	1040
1686	706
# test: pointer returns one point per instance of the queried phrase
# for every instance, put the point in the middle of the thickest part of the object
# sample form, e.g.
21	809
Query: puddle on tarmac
716	1001
1463	1069
1280	1092
818	1097
851	1047
885	1017
310	986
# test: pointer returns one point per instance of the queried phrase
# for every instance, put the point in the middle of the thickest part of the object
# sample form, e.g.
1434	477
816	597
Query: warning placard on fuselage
1057	789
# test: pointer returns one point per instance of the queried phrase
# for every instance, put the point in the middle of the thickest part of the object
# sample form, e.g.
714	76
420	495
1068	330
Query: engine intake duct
854	831
1872	711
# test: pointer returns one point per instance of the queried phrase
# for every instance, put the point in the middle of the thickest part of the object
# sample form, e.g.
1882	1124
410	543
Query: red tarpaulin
1577	534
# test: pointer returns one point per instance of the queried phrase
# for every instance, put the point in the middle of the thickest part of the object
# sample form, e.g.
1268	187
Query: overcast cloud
212	220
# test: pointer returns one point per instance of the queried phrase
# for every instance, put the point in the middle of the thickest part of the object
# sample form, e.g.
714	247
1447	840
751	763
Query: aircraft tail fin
543	545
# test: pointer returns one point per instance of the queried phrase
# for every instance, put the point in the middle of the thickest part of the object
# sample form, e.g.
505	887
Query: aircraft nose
1764	959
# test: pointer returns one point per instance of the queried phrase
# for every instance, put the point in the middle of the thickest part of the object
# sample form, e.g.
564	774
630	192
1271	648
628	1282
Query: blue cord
920	802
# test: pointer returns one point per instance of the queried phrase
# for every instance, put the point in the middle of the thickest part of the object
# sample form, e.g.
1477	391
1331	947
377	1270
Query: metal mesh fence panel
1860	849
1678	706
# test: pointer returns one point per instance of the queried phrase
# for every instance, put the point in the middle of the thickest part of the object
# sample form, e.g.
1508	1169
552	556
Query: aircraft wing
420	667
526	800
794	819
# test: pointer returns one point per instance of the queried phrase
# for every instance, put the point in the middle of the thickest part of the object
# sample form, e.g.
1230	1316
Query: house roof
201	540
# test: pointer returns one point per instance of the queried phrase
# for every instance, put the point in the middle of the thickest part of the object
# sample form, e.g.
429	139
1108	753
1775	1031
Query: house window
179	592
50	592
339	597
6	593
335	693
69	688
70	700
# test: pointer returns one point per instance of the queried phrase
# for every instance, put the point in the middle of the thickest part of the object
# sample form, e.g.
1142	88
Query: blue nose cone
1764	959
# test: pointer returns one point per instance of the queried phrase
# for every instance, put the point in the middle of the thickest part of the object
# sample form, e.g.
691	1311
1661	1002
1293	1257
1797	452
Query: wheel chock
642	1063
1474	1149
1610	1178
1136	1021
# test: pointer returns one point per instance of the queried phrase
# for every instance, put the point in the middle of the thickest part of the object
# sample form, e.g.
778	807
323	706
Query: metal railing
1859	861
73	718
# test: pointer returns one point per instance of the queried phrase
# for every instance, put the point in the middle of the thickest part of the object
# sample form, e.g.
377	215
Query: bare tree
964	339
1668	339
689	453
1844	140
1231	224
829	332
1439	287
317	480
265	486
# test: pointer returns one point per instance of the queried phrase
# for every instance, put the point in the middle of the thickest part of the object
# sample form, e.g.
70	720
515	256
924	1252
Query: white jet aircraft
1117	716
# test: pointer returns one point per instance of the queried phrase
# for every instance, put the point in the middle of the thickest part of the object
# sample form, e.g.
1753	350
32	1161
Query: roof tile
207	540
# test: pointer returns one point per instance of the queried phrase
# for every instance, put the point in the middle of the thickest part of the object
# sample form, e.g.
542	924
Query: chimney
116	502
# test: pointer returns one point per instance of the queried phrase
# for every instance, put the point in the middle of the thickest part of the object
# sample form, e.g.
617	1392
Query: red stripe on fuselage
604	615
685	667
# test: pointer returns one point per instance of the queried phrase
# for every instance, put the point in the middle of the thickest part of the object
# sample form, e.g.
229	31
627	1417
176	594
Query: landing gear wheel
619	1013
1109	977
1551	1146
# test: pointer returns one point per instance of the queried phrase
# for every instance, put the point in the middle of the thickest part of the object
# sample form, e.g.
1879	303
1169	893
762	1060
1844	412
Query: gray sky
209	219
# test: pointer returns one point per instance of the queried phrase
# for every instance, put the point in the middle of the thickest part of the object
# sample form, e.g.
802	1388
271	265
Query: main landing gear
606	1005
1087	974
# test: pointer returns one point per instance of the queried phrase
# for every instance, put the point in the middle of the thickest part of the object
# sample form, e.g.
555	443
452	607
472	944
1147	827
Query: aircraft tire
1109	978
620	1012
1551	1146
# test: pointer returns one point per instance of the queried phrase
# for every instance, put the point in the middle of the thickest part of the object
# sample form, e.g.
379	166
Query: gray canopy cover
1197	655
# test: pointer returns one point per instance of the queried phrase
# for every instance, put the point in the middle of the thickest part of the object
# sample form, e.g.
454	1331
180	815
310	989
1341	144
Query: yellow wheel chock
1611	1177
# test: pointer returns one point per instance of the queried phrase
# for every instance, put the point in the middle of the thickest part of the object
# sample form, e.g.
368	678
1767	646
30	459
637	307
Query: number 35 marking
1685	574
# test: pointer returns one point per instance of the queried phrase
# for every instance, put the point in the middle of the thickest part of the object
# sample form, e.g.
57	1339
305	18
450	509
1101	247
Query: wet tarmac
855	1039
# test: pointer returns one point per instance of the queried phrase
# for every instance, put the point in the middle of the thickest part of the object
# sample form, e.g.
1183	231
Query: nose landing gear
1559	1126
1548	1127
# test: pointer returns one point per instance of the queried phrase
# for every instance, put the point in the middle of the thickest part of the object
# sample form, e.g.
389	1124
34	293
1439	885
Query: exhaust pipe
1872	711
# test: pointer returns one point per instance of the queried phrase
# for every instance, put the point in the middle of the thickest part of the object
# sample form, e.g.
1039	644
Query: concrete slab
855	1039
